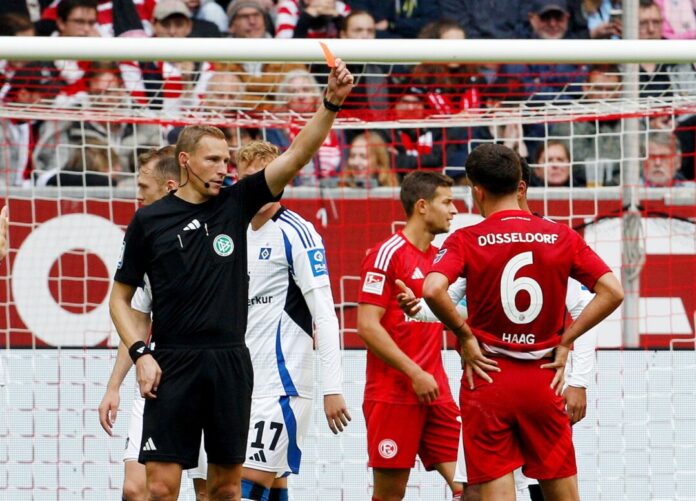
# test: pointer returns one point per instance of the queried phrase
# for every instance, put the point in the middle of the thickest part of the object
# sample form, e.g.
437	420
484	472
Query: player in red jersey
515	326
408	404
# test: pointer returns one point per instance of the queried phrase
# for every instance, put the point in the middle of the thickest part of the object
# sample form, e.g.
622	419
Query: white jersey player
290	310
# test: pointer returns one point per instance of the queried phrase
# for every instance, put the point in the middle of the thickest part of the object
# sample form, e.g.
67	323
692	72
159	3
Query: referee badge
223	245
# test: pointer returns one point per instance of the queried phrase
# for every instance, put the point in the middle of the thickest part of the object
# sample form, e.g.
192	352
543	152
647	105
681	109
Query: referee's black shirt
195	258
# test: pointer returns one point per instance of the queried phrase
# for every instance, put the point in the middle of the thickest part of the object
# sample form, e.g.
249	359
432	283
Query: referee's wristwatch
331	106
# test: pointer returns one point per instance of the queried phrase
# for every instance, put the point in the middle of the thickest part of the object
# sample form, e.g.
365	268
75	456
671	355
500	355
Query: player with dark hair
516	329
408	404
192	246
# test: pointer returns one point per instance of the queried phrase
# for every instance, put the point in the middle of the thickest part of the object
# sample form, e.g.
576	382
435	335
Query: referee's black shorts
207	389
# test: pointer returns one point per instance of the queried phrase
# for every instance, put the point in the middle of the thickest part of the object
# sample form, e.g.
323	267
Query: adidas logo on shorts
149	445
259	457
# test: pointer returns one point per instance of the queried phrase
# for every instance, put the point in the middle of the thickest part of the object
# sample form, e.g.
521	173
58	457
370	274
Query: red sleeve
375	284
587	266
450	260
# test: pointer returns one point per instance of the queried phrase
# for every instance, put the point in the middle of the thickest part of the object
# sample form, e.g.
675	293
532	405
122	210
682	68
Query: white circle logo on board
37	308
387	448
223	245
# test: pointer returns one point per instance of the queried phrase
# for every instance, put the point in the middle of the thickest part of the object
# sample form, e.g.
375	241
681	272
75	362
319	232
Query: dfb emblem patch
223	245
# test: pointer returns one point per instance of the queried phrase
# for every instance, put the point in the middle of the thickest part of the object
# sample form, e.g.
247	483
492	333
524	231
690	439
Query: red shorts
516	421
397	432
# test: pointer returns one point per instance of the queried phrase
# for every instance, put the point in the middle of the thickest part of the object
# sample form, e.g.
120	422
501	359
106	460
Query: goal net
616	165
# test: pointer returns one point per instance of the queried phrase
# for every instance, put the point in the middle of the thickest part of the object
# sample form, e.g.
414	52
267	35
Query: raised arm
281	170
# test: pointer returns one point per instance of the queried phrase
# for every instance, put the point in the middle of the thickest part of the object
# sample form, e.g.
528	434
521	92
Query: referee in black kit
192	246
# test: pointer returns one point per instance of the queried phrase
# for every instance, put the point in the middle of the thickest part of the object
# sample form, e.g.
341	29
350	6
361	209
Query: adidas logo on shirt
149	445
258	456
417	274
193	225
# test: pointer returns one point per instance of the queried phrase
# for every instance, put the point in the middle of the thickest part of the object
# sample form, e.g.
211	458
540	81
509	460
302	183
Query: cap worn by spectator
166	8
238	5
541	7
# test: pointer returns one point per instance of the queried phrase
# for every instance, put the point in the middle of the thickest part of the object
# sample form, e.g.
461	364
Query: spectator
552	165
457	84
299	94
654	79
28	86
208	10
368	164
371	91
596	145
172	18
549	21
95	164
310	18
248	20
661	165
114	18
424	148
400	19
30	9
678	19
601	22
497	19
104	92
224	91
12	25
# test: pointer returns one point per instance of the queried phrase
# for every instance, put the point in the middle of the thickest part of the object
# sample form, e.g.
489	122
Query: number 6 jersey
522	264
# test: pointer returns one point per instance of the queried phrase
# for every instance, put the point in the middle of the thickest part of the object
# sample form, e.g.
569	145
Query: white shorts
521	481
276	429
135	427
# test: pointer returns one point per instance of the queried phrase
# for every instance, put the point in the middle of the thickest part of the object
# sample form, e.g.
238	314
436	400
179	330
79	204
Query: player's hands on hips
108	409
408	301
336	412
474	361
576	403
148	374
340	83
425	386
559	363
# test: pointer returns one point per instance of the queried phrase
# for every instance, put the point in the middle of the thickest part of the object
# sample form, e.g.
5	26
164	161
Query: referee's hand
336	412
148	374
340	83
108	408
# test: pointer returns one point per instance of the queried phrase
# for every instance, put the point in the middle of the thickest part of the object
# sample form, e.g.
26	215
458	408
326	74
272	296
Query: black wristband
332	107
138	349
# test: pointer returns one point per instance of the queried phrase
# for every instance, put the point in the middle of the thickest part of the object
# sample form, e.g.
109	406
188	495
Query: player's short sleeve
587	266
142	299
254	193
451	258
309	266
133	260
376	284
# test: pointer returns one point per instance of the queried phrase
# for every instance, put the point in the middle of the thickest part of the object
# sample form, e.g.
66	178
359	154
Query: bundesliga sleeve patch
374	283
317	261
439	255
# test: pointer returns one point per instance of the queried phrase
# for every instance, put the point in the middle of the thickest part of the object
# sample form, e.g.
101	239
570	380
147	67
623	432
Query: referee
192	246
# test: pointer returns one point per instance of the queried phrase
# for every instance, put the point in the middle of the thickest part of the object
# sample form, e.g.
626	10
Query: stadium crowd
102	152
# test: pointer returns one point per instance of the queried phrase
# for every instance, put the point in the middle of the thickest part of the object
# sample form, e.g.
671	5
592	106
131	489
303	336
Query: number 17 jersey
521	264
